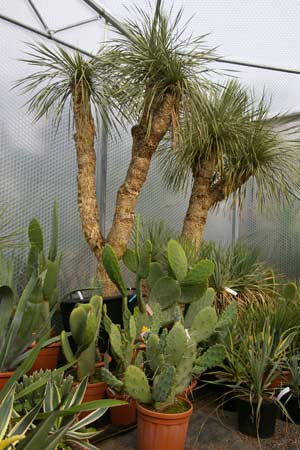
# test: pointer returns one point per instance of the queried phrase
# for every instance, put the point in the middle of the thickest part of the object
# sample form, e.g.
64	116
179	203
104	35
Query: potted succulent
85	321
123	342
171	359
252	362
47	268
20	320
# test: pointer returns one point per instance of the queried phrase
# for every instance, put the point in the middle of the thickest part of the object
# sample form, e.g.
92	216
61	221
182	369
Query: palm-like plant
232	140
150	74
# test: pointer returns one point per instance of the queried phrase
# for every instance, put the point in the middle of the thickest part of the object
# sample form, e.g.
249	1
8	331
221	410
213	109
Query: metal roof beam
45	35
39	16
76	24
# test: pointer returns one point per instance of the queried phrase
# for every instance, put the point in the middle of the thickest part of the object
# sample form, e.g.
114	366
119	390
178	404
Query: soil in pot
161	431
47	358
4	377
292	406
122	415
262	426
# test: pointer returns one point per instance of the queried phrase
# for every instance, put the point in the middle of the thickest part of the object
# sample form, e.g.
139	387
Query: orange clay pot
159	431
94	391
122	415
4	377
47	358
282	379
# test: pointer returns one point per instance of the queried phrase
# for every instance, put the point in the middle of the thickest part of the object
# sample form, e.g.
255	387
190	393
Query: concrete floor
211	428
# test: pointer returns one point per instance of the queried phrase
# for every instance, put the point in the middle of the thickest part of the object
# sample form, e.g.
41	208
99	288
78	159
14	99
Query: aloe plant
58	425
20	322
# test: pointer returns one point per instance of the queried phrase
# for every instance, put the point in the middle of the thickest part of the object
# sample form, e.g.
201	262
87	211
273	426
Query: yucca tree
232	140
149	75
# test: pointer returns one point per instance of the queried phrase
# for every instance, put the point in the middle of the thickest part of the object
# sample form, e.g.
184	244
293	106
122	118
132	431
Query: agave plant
150	75
58	427
232	140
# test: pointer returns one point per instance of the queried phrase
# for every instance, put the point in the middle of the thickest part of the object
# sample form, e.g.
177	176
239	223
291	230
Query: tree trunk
86	175
199	204
143	147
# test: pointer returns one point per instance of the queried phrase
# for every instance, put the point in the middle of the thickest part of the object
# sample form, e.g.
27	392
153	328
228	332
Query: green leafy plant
85	321
253	361
20	321
239	269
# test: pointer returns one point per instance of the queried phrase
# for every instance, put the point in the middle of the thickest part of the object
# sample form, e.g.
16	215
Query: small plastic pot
122	415
160	431
262	426
292	405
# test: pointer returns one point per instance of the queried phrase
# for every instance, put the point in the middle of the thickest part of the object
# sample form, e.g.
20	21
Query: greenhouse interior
150	225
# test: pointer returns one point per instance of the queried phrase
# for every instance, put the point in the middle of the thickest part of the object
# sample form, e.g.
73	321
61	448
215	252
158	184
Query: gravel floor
211	428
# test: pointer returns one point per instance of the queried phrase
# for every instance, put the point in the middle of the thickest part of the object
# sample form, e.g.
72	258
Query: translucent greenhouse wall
38	163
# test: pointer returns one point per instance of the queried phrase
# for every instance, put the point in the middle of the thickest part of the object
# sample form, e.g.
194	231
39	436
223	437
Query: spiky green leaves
290	291
212	357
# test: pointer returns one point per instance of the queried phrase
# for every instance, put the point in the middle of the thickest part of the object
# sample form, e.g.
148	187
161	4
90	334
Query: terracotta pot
4	377
47	358
282	379
94	391
122	415
159	431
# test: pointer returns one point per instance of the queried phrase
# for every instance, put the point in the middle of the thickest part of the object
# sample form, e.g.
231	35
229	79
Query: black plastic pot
292	405
113	305
247	420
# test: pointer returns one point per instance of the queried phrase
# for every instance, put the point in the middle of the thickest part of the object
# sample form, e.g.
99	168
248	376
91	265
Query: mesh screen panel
37	165
274	231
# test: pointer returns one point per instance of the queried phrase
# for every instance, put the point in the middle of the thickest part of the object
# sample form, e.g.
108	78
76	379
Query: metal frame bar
45	35
39	16
76	24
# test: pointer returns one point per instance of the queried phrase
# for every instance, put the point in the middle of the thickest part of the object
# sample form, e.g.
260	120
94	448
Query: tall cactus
45	266
85	321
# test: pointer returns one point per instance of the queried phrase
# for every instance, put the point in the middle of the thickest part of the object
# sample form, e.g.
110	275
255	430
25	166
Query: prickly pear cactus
137	385
85	321
181	285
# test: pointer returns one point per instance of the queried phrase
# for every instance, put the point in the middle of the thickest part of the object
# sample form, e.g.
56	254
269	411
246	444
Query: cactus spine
85	321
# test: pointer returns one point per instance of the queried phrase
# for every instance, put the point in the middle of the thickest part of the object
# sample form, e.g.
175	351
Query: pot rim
160	415
6	374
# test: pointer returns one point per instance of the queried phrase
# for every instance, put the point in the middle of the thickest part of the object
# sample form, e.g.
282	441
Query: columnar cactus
46	266
85	321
